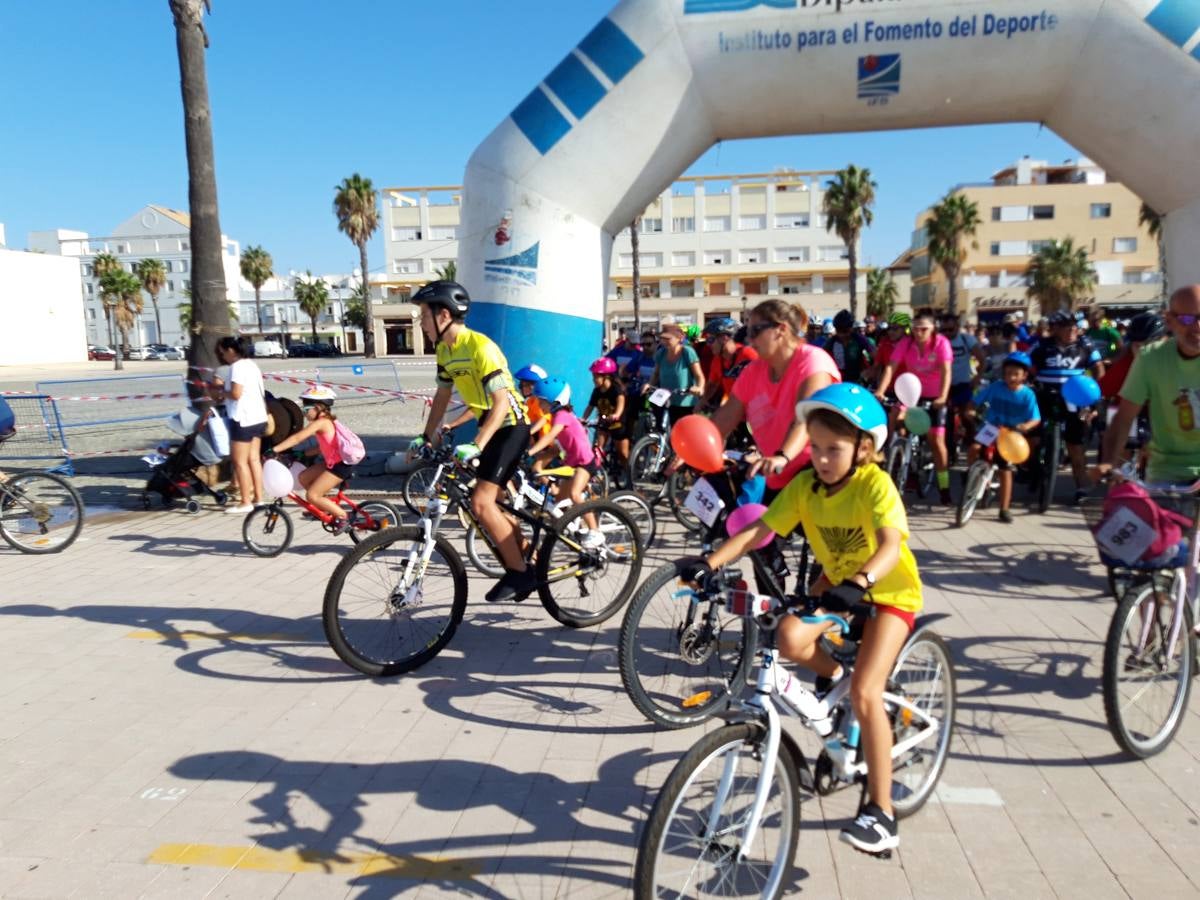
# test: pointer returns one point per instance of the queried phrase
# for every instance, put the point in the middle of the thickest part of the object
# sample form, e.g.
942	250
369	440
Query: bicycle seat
558	472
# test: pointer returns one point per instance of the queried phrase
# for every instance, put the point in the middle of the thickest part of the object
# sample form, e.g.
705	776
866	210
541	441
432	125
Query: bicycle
649	457
267	530
1051	452
906	454
680	654
390	605
727	819
39	512
1150	649
980	484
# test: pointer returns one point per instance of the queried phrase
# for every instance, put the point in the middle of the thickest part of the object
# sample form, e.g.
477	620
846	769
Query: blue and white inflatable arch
657	82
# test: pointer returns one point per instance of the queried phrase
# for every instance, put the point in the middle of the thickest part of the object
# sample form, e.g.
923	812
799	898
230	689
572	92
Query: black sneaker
874	831
824	684
944	496
1005	516
515	586
1080	496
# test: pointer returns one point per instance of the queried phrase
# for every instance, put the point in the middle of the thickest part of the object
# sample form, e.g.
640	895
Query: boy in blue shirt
1012	404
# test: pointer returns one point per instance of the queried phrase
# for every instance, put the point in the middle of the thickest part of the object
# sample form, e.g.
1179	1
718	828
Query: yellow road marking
151	634
261	859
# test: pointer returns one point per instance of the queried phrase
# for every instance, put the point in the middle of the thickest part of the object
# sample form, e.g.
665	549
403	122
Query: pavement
174	724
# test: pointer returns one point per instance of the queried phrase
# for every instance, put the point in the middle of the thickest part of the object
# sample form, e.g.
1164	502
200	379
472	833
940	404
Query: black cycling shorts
503	453
1053	407
961	394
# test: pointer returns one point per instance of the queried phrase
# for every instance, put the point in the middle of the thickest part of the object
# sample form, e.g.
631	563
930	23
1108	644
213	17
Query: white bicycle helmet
318	393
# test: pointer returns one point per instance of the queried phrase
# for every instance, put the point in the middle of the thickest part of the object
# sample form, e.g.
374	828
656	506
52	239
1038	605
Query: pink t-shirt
927	366
771	406
577	449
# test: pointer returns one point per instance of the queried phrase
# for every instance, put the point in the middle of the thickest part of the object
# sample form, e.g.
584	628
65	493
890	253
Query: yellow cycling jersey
476	368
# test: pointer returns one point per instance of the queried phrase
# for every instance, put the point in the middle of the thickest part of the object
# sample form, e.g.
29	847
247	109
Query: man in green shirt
1102	333
1166	378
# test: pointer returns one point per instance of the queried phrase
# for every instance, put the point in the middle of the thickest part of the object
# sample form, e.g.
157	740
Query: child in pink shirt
568	432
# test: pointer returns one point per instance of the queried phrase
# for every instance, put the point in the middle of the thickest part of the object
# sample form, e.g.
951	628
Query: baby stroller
173	476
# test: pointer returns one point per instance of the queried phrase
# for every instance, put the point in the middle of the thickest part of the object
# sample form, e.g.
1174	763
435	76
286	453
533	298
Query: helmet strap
818	483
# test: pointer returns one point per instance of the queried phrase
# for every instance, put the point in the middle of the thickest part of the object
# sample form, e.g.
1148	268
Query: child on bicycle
1011	403
529	378
330	470
854	519
608	399
572	439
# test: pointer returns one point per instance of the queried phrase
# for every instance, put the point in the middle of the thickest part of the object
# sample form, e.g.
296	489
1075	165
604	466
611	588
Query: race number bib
660	397
986	436
702	500
1125	536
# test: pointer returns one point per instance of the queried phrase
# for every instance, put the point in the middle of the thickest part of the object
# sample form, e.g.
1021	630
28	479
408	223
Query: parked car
325	349
268	348
162	351
139	353
99	351
299	348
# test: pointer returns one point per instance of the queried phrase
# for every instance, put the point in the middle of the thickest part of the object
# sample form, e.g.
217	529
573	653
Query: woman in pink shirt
928	356
765	395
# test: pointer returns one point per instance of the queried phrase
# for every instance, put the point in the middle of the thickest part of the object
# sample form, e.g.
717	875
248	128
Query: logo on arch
878	77
520	269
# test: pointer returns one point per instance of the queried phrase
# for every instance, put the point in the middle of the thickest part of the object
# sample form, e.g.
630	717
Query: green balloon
917	421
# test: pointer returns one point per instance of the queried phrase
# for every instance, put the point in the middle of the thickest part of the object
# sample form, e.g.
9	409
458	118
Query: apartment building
285	321
1025	206
709	246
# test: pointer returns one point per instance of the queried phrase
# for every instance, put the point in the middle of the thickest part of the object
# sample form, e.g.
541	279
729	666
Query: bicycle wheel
480	550
416	486
597	486
679	484
926	470
267	531
690	848
640	511
1051	448
672	648
645	467
924	675
386	611
1146	680
373	516
40	513
581	586
974	489
897	465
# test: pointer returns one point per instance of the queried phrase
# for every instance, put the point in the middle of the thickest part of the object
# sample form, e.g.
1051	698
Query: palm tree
354	204
185	314
208	271
882	293
256	268
313	297
121	294
847	204
153	275
954	219
1153	223
635	244
111	285
1058	274
448	272
103	264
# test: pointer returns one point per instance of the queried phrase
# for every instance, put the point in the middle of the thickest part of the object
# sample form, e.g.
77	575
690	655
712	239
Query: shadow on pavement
1012	570
181	547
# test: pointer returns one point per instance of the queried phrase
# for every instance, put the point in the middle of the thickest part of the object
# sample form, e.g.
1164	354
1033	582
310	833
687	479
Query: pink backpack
1135	528
350	446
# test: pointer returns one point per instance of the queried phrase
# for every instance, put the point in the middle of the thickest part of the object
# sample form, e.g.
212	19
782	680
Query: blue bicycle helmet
553	390
855	404
532	374
1019	358
725	326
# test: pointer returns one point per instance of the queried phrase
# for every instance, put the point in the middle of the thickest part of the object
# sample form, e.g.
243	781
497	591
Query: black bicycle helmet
1061	317
844	320
725	326
448	295
1145	326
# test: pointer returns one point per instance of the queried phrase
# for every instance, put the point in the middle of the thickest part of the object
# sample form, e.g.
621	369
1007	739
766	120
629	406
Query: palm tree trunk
313	319
635	243
157	319
852	258
258	308
119	356
112	342
369	323
210	309
952	296
1164	291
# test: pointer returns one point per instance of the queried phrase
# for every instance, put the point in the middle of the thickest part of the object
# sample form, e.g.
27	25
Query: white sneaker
239	510
593	540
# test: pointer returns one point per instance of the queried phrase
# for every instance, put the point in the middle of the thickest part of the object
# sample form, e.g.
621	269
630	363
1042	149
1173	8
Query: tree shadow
185	547
1012	570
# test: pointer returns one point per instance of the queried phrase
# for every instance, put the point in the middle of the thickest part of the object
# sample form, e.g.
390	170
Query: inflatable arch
657	82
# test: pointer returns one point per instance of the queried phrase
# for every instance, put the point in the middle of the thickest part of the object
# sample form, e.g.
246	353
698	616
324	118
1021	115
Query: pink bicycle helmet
604	366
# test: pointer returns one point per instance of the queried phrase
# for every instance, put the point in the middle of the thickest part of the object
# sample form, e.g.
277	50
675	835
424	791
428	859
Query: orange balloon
1012	446
698	443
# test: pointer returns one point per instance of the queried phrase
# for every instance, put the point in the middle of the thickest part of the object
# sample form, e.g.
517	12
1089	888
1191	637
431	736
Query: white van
268	348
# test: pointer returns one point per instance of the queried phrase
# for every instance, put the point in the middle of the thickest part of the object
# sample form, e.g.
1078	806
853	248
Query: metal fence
88	402
384	376
39	434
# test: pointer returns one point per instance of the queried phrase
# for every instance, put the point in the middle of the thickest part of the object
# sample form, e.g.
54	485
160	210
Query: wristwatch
869	577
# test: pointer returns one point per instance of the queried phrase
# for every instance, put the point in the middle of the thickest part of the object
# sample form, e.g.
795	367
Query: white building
283	317
41	310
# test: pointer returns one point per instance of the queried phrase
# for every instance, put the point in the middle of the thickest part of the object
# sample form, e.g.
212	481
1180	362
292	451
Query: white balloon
277	478
908	389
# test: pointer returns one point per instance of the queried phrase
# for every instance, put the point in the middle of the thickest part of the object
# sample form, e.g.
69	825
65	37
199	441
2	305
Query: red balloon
698	443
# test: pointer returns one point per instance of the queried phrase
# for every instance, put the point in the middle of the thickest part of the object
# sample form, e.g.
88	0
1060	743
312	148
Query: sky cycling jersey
1056	364
475	367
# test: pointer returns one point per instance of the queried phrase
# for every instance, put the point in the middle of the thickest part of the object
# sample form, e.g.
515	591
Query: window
182	265
791	254
1140	276
625	261
170	286
406	266
185	246
652	261
716	223
122	248
716	257
837	285
651	226
442	233
995	214
1043	212
1125	245
88	271
791	220
409	233
1101	211
683	224
994	280
683	258
683	288
1038	246
651	289
442	264
92	314
91	290
752	223
187	285
167	265
752	256
834	253
994	248
798	286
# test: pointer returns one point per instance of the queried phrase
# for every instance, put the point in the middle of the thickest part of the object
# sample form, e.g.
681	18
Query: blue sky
305	92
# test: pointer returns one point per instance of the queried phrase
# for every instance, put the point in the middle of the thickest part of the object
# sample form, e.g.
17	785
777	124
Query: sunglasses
1187	320
755	330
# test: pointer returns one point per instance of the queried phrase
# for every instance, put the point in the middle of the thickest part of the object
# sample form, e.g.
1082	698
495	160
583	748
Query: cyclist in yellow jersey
472	363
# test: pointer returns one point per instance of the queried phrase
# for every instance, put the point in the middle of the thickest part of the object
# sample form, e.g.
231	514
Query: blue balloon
1081	390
